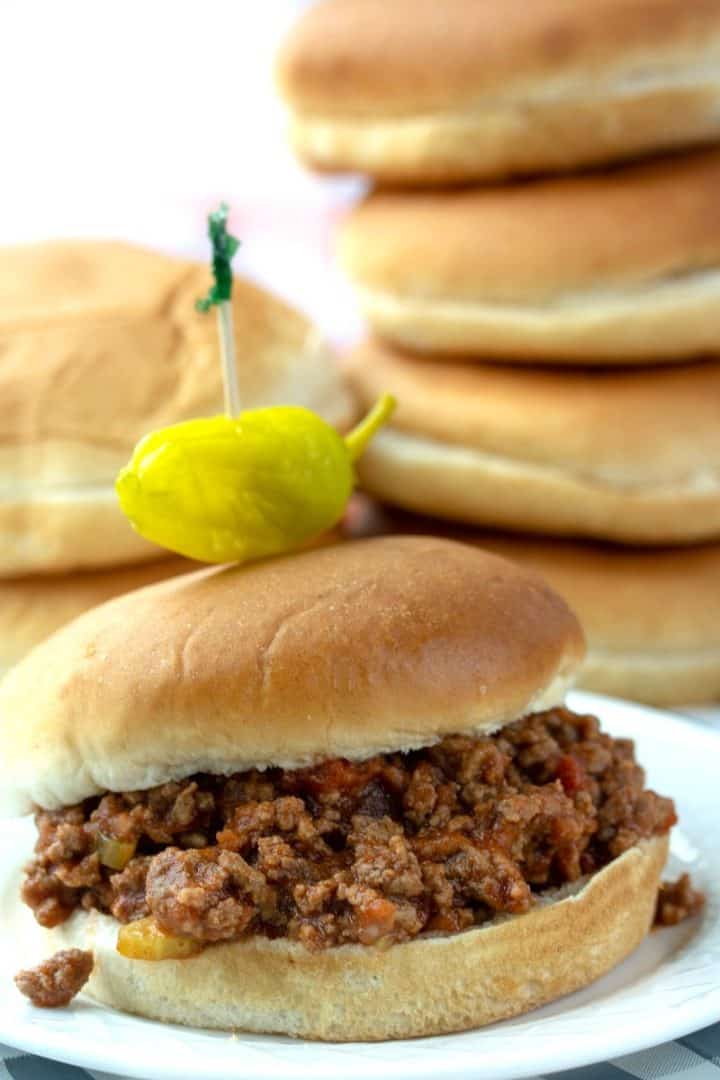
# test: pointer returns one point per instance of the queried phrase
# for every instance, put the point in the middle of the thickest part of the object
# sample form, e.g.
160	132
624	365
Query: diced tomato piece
376	920
335	775
571	774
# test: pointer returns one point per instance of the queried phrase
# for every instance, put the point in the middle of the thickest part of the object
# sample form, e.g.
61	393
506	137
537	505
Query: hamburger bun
422	987
625	455
420	92
620	267
31	609
99	343
652	635
344	651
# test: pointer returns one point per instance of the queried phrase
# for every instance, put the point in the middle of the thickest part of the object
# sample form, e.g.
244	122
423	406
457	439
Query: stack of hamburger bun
539	265
100	343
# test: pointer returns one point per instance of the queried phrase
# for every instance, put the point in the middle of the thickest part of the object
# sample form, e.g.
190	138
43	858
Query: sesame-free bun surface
100	343
615	267
649	615
351	650
33	608
421	92
629	455
430	986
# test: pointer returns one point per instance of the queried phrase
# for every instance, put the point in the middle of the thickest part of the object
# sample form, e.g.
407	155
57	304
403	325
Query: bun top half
100	342
363	648
542	240
32	608
365	57
628	599
630	428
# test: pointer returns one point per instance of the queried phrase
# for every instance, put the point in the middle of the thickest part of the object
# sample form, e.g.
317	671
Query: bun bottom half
465	485
352	993
672	320
78	529
497	139
664	678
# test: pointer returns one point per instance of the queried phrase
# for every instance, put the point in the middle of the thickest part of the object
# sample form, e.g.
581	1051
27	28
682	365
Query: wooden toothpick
224	247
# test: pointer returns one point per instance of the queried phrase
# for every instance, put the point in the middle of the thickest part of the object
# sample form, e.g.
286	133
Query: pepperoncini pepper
227	489
248	484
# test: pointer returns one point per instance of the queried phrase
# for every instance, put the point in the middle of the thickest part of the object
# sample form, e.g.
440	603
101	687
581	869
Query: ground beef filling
437	840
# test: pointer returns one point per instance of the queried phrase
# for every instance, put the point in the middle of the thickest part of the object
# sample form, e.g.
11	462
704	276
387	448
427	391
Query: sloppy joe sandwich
33	608
99	343
615	267
332	795
651	633
630	455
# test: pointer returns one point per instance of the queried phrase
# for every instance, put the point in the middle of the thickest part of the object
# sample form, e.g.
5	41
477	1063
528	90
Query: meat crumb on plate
677	900
56	981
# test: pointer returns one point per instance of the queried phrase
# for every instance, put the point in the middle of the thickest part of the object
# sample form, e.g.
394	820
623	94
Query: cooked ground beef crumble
436	840
677	900
56	981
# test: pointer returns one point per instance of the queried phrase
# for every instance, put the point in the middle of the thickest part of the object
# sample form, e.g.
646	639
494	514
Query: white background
131	119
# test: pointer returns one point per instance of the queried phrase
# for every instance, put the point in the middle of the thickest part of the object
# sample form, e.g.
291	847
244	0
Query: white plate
669	987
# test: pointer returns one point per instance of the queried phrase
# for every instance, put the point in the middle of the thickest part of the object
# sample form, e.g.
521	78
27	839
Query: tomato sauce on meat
432	841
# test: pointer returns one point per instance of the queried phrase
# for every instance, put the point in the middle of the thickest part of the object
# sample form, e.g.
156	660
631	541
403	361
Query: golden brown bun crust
359	55
350	650
652	628
626	455
533	241
49	533
621	266
420	92
426	987
100	343
652	633
33	608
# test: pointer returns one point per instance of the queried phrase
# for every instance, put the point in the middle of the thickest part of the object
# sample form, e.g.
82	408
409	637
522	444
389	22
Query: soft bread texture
352	650
33	608
424	987
649	616
617	267
417	92
622	455
100	343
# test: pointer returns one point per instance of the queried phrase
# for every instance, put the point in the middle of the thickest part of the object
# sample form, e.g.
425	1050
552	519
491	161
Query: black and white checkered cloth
695	1057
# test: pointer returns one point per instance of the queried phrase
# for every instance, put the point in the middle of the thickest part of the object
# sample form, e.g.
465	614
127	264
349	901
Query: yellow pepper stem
361	435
